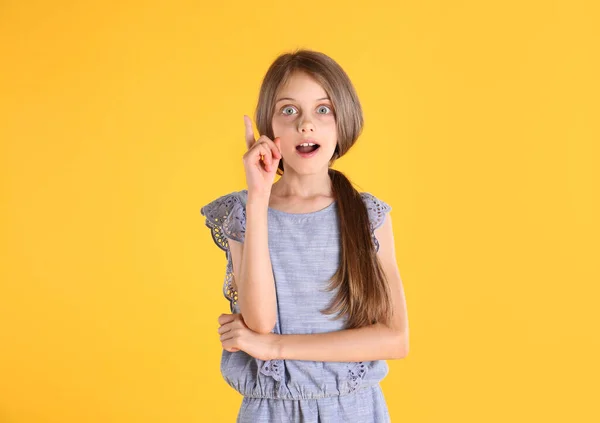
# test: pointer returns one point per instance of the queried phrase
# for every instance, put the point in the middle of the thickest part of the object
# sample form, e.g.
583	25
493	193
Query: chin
308	168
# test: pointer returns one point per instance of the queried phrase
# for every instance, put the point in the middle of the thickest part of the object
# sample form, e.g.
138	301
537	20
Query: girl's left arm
374	342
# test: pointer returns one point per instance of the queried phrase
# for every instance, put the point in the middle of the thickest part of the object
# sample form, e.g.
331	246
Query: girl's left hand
235	336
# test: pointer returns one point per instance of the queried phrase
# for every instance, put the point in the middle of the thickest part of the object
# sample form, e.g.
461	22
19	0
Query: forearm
375	342
255	284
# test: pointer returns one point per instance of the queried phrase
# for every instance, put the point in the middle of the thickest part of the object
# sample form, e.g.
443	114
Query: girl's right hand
260	161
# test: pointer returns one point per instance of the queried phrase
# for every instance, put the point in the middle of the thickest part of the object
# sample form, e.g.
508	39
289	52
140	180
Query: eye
324	107
287	108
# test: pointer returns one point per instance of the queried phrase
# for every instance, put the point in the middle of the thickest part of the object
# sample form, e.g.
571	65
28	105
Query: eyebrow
289	98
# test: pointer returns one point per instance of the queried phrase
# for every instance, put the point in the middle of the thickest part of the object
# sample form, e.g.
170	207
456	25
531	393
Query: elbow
401	343
397	342
257	321
262	326
403	352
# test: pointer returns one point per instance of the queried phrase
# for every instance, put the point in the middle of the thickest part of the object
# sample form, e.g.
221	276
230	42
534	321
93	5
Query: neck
292	184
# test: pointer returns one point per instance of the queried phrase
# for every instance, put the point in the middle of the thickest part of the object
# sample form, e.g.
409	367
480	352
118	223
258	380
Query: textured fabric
366	405
304	250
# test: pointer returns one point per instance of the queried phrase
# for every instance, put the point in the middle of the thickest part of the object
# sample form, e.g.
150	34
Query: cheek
282	124
329	121
285	131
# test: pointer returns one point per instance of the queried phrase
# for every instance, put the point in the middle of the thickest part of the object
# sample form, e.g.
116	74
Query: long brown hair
362	290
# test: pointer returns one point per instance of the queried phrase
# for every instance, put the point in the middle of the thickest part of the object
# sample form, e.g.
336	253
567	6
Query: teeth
307	144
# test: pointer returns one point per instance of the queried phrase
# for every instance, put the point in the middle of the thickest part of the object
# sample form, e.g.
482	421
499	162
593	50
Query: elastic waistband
309	396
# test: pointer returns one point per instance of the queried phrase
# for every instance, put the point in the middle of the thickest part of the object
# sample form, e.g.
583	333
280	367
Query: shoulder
223	204
226	215
224	199
376	208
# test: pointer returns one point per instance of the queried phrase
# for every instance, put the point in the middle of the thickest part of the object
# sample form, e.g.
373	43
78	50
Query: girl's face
304	114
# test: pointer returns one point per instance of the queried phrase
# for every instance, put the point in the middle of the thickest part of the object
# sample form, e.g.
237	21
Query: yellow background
119	120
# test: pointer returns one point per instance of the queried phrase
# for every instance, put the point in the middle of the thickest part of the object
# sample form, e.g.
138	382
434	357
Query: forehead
302	86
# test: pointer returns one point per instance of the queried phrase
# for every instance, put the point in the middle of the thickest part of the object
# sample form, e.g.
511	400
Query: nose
306	126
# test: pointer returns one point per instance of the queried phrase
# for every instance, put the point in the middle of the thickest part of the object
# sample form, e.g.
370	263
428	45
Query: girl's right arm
254	275
253	271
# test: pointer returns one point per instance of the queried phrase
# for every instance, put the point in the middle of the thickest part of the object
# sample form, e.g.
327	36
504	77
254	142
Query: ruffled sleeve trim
377	210
226	218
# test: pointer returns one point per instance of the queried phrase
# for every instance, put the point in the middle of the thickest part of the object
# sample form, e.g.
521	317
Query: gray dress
304	250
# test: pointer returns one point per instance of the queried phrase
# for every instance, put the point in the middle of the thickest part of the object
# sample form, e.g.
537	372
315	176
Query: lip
308	155
307	140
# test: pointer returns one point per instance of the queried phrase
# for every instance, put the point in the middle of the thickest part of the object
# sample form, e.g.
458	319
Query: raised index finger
249	132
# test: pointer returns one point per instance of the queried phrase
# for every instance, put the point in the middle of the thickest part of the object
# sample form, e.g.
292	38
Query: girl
302	249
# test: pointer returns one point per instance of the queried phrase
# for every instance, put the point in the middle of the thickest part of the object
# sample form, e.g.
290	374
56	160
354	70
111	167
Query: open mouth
307	149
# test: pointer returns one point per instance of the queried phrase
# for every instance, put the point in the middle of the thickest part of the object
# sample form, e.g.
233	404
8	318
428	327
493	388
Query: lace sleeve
377	209
226	218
